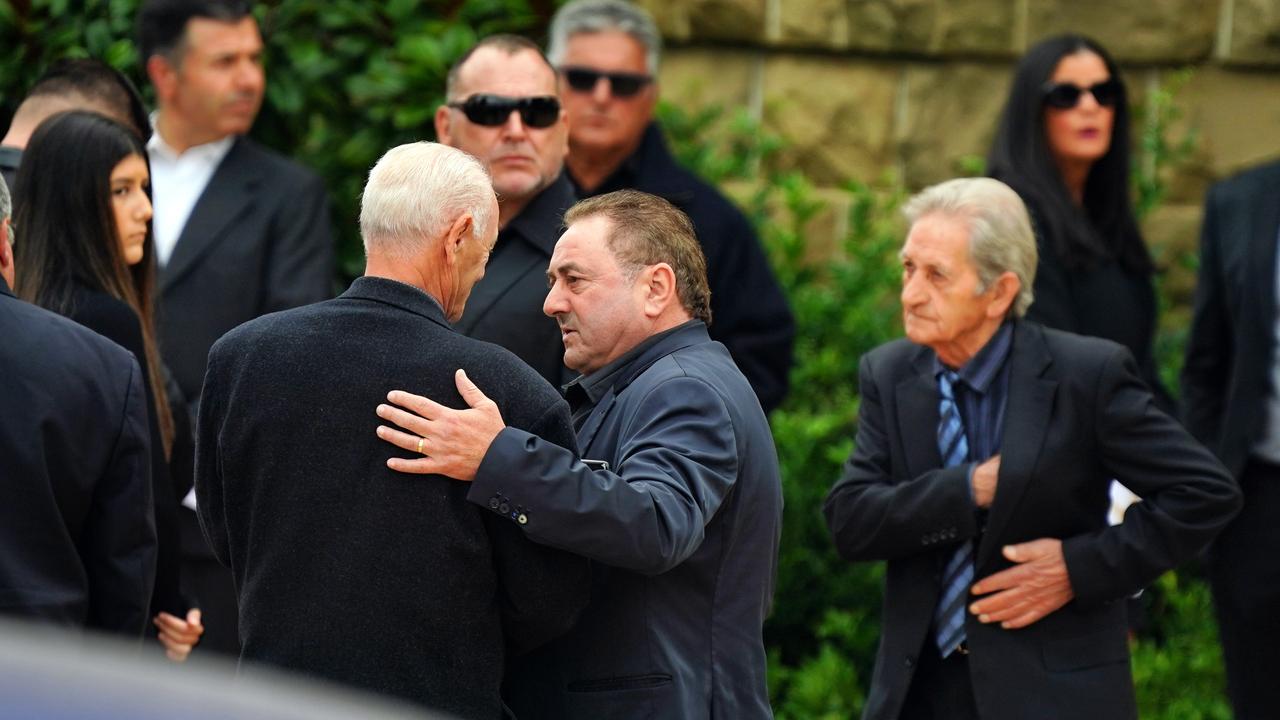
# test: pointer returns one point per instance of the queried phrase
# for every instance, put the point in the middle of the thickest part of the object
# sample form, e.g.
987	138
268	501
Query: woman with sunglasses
1062	144
85	251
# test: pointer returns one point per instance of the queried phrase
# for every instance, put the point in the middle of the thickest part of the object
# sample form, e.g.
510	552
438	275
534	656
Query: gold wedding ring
420	446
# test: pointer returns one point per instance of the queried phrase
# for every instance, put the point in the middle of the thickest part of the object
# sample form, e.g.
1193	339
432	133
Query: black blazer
345	569
116	321
685	526
749	312
1226	378
1077	415
505	307
77	538
258	240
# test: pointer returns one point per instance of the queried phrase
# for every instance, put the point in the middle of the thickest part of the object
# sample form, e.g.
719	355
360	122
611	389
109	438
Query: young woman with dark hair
1063	145
85	251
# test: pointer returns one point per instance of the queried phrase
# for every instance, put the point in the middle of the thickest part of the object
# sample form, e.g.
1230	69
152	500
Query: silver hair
6	204
416	191
592	16
1000	235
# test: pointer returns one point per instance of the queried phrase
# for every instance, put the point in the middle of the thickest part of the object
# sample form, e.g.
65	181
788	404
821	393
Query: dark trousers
941	689
1244	571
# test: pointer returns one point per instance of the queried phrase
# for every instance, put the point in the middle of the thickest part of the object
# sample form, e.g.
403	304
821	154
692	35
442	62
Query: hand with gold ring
459	438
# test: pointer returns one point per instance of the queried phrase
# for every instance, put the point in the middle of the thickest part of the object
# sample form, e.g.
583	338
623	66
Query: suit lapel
1026	420
1262	257
228	194
918	416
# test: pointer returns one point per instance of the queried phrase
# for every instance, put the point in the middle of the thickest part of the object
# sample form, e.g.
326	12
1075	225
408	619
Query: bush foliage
348	79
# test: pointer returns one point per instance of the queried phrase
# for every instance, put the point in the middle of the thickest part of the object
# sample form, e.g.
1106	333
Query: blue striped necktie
948	617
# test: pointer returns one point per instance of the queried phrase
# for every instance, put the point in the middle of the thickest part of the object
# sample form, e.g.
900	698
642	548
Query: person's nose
250	75
1088	102
554	304
912	290
602	91
144	211
514	127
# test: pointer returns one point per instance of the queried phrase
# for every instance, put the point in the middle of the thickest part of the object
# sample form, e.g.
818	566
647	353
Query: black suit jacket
749	312
685	526
258	240
505	307
116	321
77	539
1077	415
345	569
1226	378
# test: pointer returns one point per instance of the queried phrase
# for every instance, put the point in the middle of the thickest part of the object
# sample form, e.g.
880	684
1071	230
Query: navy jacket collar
620	373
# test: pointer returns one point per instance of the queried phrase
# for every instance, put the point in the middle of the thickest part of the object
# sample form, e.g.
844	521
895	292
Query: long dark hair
1020	157
69	235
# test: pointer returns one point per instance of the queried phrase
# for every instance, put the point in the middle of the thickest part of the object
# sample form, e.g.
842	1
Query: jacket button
522	519
910	662
503	507
493	503
924	539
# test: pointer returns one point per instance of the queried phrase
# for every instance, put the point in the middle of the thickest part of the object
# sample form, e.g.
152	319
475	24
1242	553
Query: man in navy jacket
677	497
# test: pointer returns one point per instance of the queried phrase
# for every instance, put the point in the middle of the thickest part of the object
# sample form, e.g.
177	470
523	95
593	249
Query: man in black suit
345	569
240	231
1231	391
985	447
678	499
77	537
502	108
607	53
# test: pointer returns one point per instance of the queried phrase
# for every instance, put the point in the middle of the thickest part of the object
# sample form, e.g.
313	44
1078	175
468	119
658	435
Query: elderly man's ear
1003	292
460	230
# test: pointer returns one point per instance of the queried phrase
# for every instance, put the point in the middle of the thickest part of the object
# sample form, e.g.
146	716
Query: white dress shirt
177	181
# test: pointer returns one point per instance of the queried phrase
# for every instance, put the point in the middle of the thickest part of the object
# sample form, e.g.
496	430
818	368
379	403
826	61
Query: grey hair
592	16
1000	235
416	191
6	204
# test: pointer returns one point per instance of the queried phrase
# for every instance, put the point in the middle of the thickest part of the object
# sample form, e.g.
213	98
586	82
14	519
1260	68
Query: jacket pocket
626	682
1087	651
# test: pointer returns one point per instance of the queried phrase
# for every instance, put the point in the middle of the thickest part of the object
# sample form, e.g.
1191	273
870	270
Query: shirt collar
599	382
540	221
212	151
982	368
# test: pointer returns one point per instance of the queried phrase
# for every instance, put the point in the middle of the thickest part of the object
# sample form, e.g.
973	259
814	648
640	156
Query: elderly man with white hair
984	452
344	569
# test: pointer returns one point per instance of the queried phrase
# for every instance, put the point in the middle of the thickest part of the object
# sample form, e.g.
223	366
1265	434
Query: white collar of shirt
177	182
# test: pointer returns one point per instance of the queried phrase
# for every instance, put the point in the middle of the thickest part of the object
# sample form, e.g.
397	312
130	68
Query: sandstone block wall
861	87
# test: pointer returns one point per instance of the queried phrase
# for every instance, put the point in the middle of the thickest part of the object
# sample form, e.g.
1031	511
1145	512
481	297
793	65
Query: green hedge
348	79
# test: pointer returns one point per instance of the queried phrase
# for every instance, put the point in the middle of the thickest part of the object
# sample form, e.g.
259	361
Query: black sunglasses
621	84
1065	96
493	110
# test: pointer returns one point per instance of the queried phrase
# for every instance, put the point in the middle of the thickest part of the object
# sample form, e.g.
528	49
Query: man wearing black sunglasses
607	53
502	107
